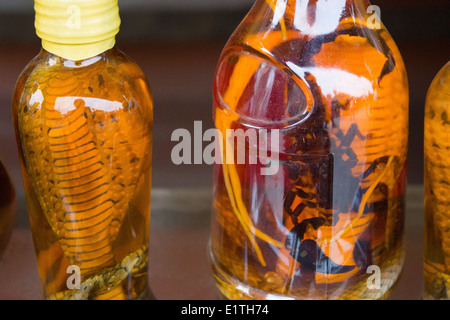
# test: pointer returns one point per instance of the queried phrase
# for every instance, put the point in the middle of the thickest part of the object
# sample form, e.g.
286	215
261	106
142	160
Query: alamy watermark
374	281
250	146
74	280
374	21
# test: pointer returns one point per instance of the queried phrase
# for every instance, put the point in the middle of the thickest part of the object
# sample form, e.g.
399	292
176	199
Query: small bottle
437	188
83	116
8	208
312	96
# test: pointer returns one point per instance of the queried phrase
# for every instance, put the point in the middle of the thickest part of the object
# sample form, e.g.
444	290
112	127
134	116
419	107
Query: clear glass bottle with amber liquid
83	115
320	88
437	188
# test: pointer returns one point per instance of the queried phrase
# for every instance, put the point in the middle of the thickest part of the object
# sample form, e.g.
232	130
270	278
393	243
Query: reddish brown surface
182	274
179	267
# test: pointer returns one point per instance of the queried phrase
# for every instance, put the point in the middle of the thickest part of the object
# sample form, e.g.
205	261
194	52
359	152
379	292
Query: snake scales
85	142
437	186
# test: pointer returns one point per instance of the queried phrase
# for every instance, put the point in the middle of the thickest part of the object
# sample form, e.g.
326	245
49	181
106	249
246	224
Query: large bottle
437	188
311	100
83	115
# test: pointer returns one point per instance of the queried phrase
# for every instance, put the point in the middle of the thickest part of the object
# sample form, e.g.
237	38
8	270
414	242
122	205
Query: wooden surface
179	267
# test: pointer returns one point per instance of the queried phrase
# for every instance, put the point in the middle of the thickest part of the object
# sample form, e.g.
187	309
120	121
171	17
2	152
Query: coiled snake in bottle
85	159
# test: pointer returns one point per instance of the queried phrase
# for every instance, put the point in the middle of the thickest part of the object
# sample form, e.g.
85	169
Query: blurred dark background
177	43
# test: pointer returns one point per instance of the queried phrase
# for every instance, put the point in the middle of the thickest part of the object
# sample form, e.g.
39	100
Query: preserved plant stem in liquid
437	190
337	92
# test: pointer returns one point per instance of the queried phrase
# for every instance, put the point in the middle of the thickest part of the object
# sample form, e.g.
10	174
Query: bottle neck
321	3
317	16
78	52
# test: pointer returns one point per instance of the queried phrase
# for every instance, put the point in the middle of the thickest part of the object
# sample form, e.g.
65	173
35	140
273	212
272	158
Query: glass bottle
83	115
8	206
312	97
437	189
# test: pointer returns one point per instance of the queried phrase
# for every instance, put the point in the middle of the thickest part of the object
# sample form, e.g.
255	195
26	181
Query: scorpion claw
308	253
311	256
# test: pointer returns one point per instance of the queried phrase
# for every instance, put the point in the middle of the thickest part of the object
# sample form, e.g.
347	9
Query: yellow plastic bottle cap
77	29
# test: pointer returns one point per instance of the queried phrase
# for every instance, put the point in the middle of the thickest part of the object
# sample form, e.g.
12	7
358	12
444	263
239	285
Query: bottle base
146	295
230	288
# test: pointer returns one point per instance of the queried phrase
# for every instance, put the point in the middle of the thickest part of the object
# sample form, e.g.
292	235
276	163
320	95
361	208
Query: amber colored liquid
336	206
84	131
437	189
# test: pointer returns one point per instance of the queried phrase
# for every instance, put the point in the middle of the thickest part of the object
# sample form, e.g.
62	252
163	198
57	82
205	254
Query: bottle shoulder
23	77
276	69
438	99
441	83
111	78
329	36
